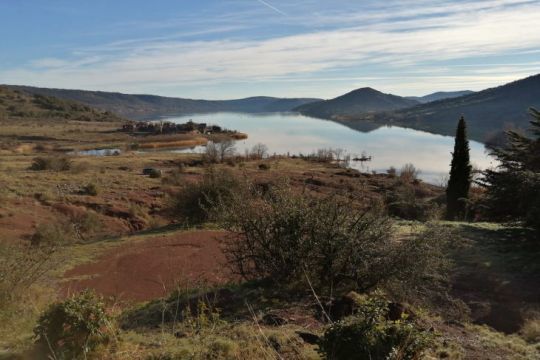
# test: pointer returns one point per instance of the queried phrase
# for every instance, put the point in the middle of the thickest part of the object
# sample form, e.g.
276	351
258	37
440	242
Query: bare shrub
211	154
219	150
21	267
53	234
76	228
61	163
392	171
258	151
409	173
403	201
194	200
174	177
86	226
285	236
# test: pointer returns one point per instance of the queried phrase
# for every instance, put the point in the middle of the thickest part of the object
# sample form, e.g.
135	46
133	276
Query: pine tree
513	188
460	175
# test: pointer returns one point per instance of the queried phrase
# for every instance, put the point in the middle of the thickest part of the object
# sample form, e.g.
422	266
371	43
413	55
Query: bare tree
211	153
259	151
225	149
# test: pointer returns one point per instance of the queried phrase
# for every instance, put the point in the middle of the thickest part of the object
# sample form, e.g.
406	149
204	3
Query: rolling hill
440	95
149	106
361	101
487	112
19	105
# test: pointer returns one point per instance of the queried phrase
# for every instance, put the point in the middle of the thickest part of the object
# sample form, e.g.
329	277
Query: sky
228	49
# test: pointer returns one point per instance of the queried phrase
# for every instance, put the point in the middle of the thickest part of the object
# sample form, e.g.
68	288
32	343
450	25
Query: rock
339	308
180	334
313	181
272	319
397	310
308	337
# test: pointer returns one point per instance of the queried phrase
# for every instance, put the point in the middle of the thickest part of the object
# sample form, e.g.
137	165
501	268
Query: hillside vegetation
440	95
148	106
360	101
488	112
19	105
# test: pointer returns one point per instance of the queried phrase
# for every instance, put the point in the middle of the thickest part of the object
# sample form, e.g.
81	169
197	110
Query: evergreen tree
459	183
513	188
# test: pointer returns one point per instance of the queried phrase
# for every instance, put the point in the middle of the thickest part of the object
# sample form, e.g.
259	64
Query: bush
53	234
194	201
175	176
409	173
90	189
74	328
81	228
369	335
152	172
404	202
155	174
531	330
20	267
85	226
51	163
285	236
219	150
258	151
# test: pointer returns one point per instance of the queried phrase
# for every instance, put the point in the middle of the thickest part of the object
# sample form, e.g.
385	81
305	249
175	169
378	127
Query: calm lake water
389	146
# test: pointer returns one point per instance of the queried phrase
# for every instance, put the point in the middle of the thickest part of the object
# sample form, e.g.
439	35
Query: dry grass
531	330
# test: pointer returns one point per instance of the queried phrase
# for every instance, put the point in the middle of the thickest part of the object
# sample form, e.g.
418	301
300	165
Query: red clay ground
152	268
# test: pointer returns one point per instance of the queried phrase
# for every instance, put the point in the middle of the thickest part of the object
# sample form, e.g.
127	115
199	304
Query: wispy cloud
377	48
272	7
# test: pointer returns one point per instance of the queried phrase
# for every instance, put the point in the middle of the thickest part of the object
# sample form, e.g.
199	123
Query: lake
389	146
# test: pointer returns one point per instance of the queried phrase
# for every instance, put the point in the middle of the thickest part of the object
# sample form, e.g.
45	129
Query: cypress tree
460	175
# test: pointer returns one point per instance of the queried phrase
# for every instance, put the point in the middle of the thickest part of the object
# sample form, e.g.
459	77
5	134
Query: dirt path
154	267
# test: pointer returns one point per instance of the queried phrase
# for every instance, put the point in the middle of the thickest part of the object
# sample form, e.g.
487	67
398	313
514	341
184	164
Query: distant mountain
149	106
361	101
17	105
487	112
440	95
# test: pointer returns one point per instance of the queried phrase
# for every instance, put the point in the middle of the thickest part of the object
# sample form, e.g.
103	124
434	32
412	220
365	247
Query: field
140	252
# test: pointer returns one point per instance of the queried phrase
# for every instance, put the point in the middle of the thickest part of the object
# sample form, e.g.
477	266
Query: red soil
153	268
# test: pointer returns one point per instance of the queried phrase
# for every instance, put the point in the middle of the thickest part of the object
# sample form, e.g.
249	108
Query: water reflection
389	146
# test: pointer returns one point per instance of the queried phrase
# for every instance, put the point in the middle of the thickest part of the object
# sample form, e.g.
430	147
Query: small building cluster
166	127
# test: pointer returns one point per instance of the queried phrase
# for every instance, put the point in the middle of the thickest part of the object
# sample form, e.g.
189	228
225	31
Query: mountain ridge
440	95
488	112
144	106
362	100
16	105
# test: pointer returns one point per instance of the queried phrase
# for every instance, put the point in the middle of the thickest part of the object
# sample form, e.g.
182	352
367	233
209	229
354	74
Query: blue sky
235	48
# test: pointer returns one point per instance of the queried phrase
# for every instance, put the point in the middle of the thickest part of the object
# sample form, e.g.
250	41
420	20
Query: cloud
272	7
414	39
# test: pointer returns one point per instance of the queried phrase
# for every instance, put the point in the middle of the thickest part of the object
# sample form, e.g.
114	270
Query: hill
357	102
21	105
148	106
487	112
440	95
